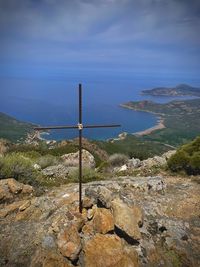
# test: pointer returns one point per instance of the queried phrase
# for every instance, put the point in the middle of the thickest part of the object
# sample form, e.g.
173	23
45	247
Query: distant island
179	90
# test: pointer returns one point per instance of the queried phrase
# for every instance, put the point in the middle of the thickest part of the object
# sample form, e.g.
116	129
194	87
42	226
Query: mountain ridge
178	90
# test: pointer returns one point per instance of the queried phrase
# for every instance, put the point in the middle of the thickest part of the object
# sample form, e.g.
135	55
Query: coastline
160	122
160	125
36	135
152	112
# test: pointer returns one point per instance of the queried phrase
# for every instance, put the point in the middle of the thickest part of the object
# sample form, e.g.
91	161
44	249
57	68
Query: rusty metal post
80	128
80	148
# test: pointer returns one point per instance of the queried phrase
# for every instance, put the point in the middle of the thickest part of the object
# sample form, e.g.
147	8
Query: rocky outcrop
103	221
126	221
69	242
70	163
134	163
147	164
108	250
154	162
58	171
72	159
10	189
100	195
46	258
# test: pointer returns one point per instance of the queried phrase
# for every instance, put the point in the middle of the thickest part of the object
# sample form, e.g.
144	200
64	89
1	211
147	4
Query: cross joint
80	126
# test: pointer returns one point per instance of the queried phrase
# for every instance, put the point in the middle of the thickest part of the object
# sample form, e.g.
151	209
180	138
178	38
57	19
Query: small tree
18	167
195	163
179	161
187	158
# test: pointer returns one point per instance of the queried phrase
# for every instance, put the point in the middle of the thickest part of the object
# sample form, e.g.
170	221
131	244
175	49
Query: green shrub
179	161
43	149
104	166
89	175
117	160
187	158
61	150
195	163
1	162
18	167
46	161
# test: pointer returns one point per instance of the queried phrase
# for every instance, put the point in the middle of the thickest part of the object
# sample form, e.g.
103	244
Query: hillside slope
13	129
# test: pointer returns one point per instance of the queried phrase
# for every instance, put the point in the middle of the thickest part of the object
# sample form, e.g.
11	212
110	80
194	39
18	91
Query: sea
54	101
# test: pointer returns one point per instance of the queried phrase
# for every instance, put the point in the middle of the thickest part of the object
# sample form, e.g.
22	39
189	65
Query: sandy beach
160	125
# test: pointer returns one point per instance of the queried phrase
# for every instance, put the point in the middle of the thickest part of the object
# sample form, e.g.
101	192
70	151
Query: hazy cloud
137	34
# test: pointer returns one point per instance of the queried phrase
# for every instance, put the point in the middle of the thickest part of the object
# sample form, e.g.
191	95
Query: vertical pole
80	149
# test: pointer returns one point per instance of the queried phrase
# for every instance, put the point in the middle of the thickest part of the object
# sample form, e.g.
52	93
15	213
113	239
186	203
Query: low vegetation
47	160
134	147
17	166
187	158
19	161
89	175
42	149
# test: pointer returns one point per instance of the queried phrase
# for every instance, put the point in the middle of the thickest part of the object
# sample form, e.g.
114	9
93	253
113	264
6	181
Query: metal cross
80	127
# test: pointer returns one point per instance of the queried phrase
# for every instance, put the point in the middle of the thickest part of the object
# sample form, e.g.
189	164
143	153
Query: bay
55	102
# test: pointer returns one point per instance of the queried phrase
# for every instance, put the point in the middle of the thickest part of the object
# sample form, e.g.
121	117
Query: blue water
55	102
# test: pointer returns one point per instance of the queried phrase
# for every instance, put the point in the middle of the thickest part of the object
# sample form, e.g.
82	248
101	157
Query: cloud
72	20
93	33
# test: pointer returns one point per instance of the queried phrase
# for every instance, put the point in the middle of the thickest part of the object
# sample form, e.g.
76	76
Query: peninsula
179	121
179	90
14	129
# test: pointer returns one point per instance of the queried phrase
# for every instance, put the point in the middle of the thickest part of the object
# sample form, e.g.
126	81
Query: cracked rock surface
128	221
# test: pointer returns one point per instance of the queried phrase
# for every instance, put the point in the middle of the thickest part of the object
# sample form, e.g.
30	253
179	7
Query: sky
61	38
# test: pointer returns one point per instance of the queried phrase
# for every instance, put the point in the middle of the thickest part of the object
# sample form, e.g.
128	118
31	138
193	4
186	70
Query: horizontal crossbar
55	127
101	126
75	127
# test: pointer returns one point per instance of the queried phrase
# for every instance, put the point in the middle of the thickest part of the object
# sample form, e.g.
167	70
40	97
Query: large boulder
49	258
103	221
151	162
4	146
127	219
101	195
60	171
69	242
107	251
157	161
134	163
72	159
